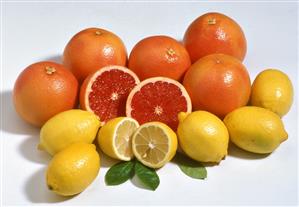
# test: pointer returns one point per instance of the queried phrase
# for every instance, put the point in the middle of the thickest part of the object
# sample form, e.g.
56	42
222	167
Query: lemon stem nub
40	147
182	116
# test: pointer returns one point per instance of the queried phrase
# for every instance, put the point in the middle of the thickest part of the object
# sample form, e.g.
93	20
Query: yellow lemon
73	169
255	129
154	144
202	136
115	138
66	128
272	89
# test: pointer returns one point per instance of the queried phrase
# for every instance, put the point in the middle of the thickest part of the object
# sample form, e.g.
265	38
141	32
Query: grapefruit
91	49
159	56
105	92
218	83
158	99
215	33
43	90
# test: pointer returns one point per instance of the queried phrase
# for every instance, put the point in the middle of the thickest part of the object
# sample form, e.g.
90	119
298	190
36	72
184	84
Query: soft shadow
235	151
106	161
11	122
182	159
28	149
54	58
135	181
37	192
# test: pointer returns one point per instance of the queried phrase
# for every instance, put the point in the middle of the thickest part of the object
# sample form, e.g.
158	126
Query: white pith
153	80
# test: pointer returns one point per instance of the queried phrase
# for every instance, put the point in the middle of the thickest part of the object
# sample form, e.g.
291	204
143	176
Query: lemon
154	144
73	169
255	129
66	128
115	138
272	89
203	136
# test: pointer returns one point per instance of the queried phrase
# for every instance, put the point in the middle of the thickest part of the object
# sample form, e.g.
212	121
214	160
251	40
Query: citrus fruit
115	138
159	56
158	99
215	33
105	92
272	89
91	49
203	136
66	128
154	144
73	169
42	90
255	129
218	83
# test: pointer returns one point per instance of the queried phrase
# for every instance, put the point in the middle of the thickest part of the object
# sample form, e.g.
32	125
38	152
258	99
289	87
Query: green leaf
120	173
190	167
147	176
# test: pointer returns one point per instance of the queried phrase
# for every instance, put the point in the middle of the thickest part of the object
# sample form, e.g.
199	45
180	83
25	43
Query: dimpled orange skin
218	83
92	49
159	56
39	93
215	33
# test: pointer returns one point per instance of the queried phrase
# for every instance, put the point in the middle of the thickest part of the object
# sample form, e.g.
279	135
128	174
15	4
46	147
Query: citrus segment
158	99
115	137
105	91
154	144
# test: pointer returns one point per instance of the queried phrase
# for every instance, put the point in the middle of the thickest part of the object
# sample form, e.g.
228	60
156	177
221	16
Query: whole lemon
272	89
73	169
66	128
255	129
202	136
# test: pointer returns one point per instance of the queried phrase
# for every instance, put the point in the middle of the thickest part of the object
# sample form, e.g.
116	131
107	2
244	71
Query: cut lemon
154	144
115	138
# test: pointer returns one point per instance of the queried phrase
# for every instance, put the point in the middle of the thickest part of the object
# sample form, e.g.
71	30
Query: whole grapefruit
218	83
42	90
159	56
215	33
92	49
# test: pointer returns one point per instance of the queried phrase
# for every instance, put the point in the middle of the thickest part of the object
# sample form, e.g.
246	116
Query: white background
34	32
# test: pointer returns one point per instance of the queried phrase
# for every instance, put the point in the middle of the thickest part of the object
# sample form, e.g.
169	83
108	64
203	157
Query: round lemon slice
115	138
154	144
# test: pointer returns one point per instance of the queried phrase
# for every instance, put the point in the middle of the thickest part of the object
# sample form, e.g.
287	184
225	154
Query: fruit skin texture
255	129
66	128
159	56
218	83
42	90
273	90
215	33
203	136
92	49
106	135
73	169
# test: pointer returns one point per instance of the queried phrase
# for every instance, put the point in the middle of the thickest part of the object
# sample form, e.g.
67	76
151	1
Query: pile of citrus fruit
166	97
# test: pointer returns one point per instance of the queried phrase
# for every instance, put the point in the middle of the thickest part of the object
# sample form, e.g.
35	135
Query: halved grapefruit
158	99
105	92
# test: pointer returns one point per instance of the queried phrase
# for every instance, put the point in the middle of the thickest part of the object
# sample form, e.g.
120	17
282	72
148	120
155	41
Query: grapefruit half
105	92
158	99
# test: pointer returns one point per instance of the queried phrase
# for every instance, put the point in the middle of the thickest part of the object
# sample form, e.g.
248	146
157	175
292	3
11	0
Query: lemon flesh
203	136
73	169
66	128
115	138
154	144
273	90
255	129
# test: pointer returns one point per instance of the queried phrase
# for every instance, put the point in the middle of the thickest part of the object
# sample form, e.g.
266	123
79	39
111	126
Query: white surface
39	31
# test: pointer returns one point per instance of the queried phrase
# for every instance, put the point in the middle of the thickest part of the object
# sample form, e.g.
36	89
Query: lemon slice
154	144
115	138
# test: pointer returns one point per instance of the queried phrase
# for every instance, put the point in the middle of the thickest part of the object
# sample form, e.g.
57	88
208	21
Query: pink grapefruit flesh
158	99
105	92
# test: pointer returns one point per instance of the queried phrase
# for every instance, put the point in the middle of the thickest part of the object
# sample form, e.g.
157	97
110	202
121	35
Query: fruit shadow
235	151
11	122
37	191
